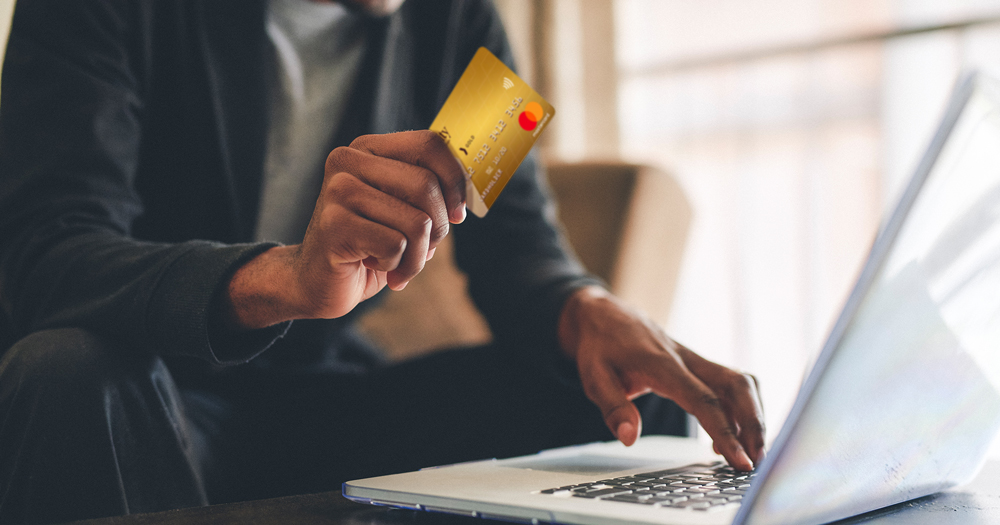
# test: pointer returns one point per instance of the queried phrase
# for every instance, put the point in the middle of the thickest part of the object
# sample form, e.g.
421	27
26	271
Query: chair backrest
6	13
627	223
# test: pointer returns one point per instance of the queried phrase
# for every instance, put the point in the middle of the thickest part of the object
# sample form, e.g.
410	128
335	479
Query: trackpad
582	464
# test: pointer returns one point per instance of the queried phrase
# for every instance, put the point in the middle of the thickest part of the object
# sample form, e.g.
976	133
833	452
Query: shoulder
453	30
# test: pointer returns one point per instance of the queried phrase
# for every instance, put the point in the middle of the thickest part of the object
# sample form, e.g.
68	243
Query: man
160	352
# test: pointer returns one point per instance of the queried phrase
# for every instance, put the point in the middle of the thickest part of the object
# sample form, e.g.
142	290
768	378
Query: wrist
570	325
261	293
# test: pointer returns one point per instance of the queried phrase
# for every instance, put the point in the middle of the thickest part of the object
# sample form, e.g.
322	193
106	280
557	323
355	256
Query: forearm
572	316
150	296
261	293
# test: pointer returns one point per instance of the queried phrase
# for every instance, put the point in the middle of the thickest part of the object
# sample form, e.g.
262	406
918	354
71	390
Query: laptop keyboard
702	486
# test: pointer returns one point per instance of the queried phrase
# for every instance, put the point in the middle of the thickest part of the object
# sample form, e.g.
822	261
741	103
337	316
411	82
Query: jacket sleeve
521	269
71	125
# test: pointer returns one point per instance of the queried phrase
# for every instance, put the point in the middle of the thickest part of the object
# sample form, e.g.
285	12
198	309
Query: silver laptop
902	402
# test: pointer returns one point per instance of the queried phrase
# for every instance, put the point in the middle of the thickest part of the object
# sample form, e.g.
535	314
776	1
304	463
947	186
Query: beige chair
627	223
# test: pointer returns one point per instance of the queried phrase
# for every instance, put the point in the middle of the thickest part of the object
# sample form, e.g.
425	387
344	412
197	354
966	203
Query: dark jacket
132	140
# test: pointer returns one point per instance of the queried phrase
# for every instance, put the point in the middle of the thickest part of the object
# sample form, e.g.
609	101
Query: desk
976	503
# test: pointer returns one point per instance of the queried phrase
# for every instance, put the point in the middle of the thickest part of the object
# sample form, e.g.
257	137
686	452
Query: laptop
902	402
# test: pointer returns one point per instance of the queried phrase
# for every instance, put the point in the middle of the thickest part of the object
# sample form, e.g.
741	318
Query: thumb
620	415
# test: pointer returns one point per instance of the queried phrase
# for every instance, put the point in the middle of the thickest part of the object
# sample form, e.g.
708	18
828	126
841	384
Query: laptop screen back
905	398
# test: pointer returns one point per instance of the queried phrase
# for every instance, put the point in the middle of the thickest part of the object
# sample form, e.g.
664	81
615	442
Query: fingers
411	184
407	182
620	415
739	396
699	400
424	149
621	354
389	235
386	204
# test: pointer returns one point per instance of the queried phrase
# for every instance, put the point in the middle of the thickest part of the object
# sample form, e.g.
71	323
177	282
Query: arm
71	126
531	289
386	203
621	355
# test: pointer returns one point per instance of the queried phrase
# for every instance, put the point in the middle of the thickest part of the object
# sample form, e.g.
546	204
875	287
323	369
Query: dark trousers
88	429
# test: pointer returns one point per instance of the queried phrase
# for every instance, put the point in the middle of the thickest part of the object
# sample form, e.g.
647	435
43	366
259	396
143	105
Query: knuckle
710	400
361	142
735	384
591	392
396	243
607	412
430	186
426	137
337	158
420	225
426	224
438	233
458	187
350	193
341	186
594	394
728	432
743	380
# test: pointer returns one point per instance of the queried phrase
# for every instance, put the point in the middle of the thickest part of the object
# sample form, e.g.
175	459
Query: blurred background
788	126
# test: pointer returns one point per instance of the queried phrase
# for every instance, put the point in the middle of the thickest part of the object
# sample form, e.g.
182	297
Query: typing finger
700	401
605	390
739	396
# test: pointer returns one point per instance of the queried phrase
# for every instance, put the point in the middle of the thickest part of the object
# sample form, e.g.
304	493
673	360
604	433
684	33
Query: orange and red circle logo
529	118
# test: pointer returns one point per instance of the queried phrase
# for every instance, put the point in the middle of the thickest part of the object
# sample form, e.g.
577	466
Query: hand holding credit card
490	121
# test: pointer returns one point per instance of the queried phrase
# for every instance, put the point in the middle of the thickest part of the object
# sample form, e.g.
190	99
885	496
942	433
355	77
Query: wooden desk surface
976	503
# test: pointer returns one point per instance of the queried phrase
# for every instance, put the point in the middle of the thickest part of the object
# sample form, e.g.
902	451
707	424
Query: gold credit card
490	121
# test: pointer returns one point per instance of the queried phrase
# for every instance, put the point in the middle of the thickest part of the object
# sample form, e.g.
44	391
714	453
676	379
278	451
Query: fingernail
430	253
458	215
745	458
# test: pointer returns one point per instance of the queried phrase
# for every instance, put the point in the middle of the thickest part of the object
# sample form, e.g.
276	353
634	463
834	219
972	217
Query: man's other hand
621	355
386	203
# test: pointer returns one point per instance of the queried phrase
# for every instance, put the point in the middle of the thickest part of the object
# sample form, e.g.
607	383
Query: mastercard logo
529	118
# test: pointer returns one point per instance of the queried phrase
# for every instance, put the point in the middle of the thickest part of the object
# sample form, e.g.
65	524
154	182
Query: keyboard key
601	492
666	500
701	490
628	498
702	487
566	487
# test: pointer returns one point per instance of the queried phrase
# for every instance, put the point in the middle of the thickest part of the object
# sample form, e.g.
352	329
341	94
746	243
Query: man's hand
621	355
386	203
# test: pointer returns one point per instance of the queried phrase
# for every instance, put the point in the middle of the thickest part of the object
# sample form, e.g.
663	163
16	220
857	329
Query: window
791	125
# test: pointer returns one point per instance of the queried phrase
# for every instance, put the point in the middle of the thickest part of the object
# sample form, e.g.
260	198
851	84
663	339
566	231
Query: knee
69	359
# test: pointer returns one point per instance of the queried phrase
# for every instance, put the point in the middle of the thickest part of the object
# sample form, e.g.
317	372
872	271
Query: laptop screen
905	398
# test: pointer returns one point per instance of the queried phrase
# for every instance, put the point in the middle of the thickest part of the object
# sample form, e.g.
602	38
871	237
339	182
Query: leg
313	432
88	430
